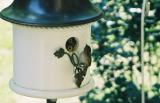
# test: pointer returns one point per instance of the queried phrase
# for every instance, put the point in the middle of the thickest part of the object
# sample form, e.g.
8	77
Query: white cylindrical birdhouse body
51	48
37	71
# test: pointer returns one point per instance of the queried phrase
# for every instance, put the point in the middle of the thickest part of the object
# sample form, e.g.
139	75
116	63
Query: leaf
79	75
59	53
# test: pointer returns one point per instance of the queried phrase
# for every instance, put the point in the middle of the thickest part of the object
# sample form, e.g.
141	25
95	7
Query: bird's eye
72	44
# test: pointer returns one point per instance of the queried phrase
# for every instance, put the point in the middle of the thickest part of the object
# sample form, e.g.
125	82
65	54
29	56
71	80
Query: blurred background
116	55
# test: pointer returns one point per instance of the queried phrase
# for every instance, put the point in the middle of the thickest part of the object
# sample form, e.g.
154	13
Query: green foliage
116	54
6	95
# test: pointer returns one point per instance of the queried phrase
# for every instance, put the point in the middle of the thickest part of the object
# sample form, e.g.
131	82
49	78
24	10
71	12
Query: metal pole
51	101
145	11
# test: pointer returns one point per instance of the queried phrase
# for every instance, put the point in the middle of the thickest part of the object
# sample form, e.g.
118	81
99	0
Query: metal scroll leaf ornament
59	53
81	62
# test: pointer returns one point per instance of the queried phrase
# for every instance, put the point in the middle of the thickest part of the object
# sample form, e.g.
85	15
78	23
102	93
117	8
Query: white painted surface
37	72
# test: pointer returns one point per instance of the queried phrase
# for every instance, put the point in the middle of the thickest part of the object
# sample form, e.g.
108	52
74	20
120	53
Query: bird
82	67
85	58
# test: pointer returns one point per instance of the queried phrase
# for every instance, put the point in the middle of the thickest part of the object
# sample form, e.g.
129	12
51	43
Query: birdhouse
51	47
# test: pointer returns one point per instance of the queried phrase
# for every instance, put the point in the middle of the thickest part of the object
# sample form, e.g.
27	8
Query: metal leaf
59	53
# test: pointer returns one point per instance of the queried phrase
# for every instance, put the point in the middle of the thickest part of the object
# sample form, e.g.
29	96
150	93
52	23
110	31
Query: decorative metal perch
81	62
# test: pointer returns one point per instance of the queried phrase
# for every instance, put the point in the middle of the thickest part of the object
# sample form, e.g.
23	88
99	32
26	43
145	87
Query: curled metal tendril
73	58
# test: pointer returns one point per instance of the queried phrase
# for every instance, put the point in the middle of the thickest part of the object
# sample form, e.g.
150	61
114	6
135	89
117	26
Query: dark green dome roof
51	12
